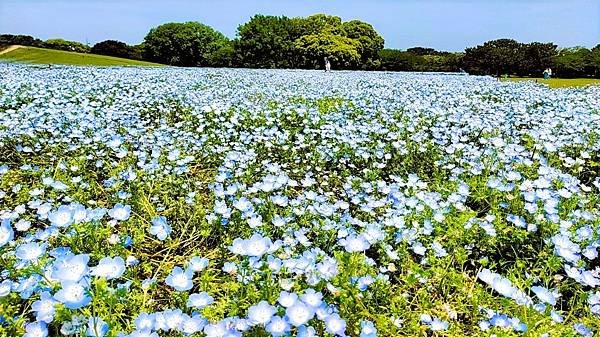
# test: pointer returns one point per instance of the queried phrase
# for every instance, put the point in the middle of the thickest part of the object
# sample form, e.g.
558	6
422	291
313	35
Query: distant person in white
327	65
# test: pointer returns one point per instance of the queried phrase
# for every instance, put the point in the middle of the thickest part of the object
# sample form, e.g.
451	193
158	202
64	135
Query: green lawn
50	56
559	82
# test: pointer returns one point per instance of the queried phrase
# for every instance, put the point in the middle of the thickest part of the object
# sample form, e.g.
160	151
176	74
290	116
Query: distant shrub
113	48
23	40
67	45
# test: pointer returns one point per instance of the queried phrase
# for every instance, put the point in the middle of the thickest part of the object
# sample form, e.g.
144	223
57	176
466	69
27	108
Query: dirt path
9	49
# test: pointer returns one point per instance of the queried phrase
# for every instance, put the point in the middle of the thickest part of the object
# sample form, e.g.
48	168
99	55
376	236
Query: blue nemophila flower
30	251
363	282
109	268
144	321
367	329
304	331
556	317
73	295
199	301
5	287
6	232
583	330
147	283
256	245
191	325
335	325
243	204
44	308
546	295
278	327
221	328
62	217
26	286
160	228
594	302
434	323
261	313
502	321
503	286
70	267
36	329
96	327
286	299
354	243
179	279
197	263
127	241
120	212
298	313
582	276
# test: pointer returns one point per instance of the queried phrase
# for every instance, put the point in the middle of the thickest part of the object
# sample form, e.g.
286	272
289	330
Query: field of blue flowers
211	202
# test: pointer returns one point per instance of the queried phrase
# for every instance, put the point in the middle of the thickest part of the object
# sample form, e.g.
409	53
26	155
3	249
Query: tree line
108	47
303	42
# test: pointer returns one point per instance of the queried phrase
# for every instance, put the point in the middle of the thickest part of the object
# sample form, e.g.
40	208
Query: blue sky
444	25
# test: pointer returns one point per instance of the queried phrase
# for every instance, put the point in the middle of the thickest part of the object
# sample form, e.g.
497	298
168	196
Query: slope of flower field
196	202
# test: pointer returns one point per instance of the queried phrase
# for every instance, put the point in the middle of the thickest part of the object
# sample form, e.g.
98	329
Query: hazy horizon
443	25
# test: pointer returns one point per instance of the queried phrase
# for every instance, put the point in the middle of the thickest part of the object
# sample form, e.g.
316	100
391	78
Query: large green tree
399	60
595	60
267	42
321	23
534	58
281	42
23	40
182	44
493	57
341	51
113	48
370	42
573	62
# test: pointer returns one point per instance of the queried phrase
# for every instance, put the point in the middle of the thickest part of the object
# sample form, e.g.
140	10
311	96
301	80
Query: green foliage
282	42
506	56
22	40
341	51
221	55
182	44
414	59
61	44
422	51
114	48
575	62
493	57
267	42
534	58
370	42
398	60
322	23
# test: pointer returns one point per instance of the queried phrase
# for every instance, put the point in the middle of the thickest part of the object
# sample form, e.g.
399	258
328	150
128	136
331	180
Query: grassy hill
559	82
51	56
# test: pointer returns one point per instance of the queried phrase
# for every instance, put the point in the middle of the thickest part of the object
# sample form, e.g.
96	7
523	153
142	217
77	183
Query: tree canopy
282	42
182	44
267	42
341	51
113	48
369	41
61	44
